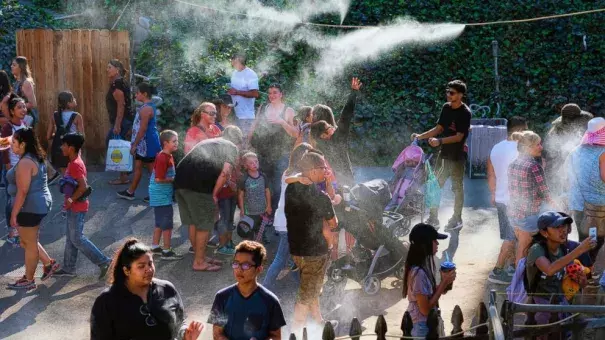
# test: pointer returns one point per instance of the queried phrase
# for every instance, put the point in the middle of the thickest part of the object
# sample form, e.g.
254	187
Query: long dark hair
32	145
131	251
64	99
118	64
5	84
420	255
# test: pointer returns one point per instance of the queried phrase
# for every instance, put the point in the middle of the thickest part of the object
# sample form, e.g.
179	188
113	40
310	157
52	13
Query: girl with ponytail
64	121
137	305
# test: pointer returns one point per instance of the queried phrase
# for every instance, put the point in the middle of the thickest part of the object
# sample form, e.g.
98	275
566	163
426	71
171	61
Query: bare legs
33	250
523	242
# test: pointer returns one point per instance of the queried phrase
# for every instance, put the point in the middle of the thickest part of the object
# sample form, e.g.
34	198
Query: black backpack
531	289
57	157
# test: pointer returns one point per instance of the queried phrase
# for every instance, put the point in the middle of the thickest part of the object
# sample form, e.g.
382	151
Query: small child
69	121
253	194
304	117
227	201
160	195
75	188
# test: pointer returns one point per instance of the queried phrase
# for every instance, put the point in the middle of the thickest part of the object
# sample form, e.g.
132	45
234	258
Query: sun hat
595	134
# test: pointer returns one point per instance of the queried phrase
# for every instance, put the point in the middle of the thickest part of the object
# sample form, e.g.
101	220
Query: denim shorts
506	230
528	224
164	216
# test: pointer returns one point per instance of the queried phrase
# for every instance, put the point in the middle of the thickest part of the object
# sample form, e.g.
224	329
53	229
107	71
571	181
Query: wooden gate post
457	320
355	329
381	328
407	324
432	322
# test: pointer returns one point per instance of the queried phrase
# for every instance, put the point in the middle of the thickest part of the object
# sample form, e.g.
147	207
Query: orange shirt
195	134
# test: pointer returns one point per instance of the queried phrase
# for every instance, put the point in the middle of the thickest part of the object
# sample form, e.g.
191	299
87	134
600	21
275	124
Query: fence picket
328	333
292	336
305	335
406	324
432	322
381	328
483	316
457	320
355	329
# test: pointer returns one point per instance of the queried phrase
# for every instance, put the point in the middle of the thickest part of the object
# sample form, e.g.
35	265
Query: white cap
596	124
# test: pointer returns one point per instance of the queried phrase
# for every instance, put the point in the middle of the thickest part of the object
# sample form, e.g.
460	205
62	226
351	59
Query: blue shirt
585	183
245	318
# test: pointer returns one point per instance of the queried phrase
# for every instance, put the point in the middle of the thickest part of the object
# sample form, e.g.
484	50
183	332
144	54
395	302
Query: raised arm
346	116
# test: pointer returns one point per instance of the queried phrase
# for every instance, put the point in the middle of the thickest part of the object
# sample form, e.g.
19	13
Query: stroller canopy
372	197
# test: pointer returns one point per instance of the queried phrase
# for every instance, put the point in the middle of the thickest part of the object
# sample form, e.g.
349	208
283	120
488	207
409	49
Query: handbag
118	156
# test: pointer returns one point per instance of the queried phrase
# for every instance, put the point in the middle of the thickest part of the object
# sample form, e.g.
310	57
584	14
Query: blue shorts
164	217
528	224
506	230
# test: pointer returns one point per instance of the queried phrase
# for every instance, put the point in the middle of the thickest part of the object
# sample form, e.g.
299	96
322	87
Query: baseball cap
424	233
553	219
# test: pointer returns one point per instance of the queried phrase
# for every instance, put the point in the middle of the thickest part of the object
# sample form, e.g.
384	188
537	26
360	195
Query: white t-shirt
244	80
279	222
502	155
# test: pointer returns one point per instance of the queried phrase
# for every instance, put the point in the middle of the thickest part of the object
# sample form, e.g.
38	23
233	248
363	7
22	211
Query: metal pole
588	309
495	323
496	76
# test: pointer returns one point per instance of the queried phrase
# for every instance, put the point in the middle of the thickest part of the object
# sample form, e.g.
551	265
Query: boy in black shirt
453	127
306	209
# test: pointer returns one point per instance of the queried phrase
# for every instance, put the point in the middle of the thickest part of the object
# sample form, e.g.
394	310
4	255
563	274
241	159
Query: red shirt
77	170
195	134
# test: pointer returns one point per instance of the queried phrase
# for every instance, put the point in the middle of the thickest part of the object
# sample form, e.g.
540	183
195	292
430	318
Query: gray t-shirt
254	193
546	284
418	283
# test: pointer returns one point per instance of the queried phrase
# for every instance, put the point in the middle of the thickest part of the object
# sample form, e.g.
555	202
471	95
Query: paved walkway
63	305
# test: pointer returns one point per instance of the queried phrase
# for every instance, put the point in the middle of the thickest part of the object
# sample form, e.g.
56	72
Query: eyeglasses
243	266
149	320
211	113
450	92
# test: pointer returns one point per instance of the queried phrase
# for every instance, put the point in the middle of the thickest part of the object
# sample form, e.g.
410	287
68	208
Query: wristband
70	200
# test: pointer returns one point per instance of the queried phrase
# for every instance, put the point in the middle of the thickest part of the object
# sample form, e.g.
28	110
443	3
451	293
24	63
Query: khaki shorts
312	271
196	209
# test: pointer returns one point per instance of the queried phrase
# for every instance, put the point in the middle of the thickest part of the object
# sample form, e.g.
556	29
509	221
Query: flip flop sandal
209	268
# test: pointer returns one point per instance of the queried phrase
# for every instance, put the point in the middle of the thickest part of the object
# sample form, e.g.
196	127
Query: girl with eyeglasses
137	305
202	126
145	139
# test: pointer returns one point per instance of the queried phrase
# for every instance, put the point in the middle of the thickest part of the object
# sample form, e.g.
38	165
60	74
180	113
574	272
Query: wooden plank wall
76	61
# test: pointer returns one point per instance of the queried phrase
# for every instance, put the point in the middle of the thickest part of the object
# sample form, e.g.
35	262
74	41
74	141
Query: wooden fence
74	60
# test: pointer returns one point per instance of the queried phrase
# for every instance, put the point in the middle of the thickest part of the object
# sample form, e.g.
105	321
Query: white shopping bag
118	156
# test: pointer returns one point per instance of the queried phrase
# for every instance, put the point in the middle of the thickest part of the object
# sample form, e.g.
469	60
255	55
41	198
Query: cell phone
592	233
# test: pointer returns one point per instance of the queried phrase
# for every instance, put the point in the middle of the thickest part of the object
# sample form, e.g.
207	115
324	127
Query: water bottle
346	193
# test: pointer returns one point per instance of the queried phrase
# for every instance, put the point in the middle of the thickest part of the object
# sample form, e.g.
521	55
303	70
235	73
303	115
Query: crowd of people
284	169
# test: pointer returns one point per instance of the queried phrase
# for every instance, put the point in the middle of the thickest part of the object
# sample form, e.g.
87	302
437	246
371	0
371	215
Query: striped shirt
160	194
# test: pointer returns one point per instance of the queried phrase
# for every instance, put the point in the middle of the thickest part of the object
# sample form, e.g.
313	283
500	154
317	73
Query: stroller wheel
336	275
371	285
400	273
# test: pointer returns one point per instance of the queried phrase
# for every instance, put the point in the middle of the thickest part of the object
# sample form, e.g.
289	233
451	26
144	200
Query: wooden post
305	336
381	328
328	333
483	316
292	336
457	320
406	324
355	329
432	322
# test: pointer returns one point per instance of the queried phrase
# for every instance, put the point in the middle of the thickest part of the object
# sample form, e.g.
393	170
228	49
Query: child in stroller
378	253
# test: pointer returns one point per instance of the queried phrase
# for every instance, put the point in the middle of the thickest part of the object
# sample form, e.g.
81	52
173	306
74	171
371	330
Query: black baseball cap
553	219
425	233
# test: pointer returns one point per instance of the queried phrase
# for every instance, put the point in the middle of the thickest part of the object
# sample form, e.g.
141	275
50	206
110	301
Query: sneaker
156	250
434	221
170	255
225	250
213	242
53	179
510	270
125	195
104	268
22	284
453	224
146	199
499	276
63	273
191	250
49	270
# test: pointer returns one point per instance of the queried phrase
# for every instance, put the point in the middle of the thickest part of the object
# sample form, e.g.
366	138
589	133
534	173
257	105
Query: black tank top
112	105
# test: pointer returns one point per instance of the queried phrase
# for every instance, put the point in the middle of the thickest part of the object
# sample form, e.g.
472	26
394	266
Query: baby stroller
378	253
410	170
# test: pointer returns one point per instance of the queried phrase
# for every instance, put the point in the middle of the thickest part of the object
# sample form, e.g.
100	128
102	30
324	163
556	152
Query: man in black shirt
453	127
199	177
306	209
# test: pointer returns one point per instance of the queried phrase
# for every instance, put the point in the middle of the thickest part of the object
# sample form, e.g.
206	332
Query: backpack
57	157
519	287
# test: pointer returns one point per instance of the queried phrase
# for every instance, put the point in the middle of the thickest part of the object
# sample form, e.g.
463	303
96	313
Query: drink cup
448	266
